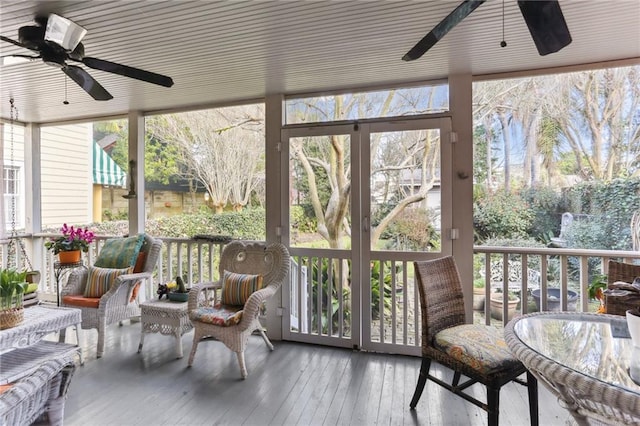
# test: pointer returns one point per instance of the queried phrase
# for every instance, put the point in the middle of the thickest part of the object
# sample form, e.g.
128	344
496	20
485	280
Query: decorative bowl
178	297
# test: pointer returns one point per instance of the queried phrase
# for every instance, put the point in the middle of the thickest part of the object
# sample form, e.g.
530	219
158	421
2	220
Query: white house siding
66	175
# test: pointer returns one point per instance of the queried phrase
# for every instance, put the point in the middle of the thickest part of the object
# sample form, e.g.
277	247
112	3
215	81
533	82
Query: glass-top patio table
586	360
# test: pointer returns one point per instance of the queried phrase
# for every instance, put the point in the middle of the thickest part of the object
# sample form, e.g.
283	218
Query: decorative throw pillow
99	280
236	288
120	252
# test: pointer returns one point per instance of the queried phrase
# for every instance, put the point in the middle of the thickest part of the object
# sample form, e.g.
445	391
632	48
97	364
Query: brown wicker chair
210	319
618	302
478	352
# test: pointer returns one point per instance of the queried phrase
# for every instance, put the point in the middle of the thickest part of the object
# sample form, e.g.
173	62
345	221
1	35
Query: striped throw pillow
236	288
120	252
99	280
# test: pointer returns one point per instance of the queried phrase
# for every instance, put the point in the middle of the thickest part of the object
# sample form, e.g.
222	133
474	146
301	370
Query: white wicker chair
116	304
270	261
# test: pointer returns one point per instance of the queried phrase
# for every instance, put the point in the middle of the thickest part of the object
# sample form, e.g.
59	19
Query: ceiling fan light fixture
63	32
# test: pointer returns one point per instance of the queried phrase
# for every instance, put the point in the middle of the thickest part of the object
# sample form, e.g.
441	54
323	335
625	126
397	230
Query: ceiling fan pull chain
503	43
65	102
11	246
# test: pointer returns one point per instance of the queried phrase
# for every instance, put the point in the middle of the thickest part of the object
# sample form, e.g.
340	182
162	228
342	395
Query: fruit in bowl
181	293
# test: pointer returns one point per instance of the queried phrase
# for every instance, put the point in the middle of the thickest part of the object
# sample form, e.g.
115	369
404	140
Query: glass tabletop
597	346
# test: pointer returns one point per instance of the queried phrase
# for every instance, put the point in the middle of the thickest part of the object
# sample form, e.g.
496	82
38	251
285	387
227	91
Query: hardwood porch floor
296	384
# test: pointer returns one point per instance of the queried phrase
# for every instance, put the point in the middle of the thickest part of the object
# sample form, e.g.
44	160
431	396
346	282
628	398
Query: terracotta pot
478	299
496	307
72	256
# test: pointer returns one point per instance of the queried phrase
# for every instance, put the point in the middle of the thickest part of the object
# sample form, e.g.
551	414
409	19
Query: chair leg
532	388
493	405
63	336
102	326
265	338
422	380
243	368
194	348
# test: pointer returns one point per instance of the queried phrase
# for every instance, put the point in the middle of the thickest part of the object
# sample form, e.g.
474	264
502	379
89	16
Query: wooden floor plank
296	384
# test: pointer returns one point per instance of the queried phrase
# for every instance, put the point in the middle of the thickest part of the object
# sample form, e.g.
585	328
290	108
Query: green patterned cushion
120	252
99	280
481	347
236	288
221	315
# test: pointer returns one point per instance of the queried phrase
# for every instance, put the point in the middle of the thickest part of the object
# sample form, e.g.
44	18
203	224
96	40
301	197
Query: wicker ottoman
165	317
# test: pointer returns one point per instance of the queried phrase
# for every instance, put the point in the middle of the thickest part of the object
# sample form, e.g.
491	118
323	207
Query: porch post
136	153
33	193
274	119
460	105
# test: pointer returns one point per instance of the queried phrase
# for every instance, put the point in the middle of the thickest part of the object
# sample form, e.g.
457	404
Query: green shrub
502	215
301	221
544	203
412	230
247	224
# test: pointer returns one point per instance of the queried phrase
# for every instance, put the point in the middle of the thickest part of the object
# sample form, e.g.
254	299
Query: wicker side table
165	317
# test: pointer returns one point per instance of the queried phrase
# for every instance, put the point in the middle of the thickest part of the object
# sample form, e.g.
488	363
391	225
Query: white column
136	153
274	119
460	105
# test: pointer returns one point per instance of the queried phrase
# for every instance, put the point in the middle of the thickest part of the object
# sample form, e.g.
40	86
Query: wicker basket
618	302
11	317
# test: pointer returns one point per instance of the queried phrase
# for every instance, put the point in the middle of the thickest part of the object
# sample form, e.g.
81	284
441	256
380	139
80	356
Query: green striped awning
105	170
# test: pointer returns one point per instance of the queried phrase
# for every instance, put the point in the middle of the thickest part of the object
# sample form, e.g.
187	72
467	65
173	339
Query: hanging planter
72	256
33	277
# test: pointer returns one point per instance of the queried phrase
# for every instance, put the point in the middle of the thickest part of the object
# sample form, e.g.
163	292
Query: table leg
78	343
179	337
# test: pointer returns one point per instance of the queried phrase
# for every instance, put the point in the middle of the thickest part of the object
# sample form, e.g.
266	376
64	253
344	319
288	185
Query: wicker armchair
120	302
478	352
211	319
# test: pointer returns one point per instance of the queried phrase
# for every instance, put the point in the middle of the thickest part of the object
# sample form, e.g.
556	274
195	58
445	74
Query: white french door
365	201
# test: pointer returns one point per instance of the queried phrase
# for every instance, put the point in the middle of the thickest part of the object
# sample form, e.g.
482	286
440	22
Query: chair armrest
252	306
200	293
120	291
75	283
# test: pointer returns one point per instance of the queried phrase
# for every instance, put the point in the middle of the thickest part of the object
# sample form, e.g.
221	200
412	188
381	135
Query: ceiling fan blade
88	83
17	59
127	71
17	43
546	24
459	13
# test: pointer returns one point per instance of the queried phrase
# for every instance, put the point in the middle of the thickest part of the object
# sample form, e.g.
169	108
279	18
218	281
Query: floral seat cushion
481	347
222	315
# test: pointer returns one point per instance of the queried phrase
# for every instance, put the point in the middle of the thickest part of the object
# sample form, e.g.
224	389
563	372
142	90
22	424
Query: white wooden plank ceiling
219	52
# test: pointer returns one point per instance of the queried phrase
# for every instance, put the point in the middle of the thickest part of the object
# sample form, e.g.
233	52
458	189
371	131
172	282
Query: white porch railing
194	260
393	324
565	269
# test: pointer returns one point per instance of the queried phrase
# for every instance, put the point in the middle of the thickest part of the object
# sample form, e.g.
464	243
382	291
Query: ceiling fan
57	40
543	17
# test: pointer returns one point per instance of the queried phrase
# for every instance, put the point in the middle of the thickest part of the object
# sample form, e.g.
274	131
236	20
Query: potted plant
71	243
497	304
181	293
478	294
12	287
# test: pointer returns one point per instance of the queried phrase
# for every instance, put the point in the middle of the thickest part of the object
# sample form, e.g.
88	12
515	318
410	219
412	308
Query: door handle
365	224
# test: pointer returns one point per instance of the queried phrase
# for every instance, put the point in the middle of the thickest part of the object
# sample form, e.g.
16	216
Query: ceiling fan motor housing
31	36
